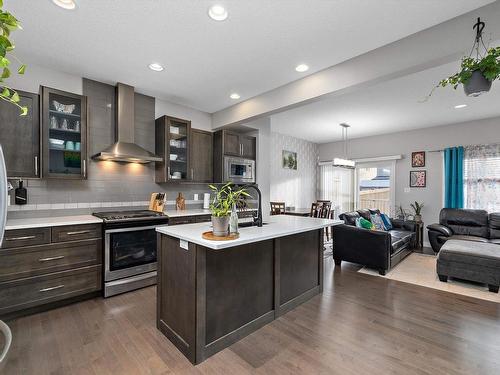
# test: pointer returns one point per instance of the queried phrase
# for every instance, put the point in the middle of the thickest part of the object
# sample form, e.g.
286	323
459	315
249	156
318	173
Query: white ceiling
254	51
388	107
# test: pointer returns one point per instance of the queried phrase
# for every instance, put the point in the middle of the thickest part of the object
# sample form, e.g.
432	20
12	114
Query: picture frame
418	179
289	160
418	159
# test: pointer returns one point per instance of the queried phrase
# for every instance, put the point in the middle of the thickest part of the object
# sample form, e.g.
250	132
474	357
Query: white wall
476	132
296	188
199	120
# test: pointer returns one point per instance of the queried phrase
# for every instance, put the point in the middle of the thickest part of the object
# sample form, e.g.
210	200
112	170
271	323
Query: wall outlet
184	244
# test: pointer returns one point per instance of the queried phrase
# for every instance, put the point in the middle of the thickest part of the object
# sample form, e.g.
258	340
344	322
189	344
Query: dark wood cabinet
20	136
41	266
231	143
235	144
64	134
201	156
248	147
172	143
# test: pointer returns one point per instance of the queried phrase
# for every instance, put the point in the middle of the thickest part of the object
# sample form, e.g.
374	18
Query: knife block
156	203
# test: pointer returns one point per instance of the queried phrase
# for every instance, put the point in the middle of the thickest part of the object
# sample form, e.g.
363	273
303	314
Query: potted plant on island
417	208
225	198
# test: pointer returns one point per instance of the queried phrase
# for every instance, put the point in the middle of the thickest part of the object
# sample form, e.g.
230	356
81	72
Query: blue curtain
454	177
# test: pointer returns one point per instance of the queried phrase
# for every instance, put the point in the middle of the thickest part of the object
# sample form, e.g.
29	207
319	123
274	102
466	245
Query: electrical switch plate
184	244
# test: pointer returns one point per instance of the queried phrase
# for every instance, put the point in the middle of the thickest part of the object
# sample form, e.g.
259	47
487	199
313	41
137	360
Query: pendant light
345	162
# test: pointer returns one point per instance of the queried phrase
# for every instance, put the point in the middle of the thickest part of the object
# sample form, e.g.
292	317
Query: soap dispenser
21	194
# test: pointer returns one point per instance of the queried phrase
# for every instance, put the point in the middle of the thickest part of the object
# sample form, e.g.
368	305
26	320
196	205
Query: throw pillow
377	222
358	222
366	223
387	221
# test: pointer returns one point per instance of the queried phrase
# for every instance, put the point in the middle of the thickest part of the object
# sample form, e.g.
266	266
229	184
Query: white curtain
336	185
482	177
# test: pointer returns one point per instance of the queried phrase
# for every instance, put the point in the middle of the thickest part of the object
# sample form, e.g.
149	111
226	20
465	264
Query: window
482	177
375	186
335	185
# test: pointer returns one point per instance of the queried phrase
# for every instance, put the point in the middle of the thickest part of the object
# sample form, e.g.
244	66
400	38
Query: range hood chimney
124	149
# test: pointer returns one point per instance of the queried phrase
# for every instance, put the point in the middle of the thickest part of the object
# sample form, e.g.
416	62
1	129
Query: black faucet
256	220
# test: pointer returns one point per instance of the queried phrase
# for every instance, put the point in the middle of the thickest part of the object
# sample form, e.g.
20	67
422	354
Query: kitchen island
213	293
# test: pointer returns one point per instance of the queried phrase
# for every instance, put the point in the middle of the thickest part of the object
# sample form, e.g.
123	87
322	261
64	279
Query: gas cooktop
128	215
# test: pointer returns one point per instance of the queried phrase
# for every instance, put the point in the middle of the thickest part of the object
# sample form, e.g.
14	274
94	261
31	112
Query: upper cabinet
235	144
20	137
64	134
201	156
172	144
186	152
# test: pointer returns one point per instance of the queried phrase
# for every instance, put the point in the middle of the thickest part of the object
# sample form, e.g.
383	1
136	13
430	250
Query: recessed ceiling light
234	96
156	67
217	12
460	106
302	68
66	4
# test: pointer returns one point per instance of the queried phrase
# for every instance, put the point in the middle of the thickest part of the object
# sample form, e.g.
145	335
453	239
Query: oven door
129	251
239	170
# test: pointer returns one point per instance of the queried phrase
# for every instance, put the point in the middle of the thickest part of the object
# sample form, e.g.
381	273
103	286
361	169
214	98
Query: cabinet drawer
76	232
203	218
26	237
35	291
181	220
37	260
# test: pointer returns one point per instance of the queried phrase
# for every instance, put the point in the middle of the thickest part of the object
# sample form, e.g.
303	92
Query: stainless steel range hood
125	150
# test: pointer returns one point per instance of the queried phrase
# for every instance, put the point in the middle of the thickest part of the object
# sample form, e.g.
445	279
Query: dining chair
315	210
7	341
277	208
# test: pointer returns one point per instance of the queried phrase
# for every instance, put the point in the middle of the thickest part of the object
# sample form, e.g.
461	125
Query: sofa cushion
349	218
399	239
495	241
469	252
494	224
387	221
364	213
467	238
398	233
465	222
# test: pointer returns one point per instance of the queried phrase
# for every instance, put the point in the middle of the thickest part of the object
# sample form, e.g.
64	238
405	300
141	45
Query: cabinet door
178	145
201	156
231	144
248	147
64	134
20	136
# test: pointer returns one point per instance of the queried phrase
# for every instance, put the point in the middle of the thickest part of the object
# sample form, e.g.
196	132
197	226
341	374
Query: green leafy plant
225	197
9	23
489	66
417	207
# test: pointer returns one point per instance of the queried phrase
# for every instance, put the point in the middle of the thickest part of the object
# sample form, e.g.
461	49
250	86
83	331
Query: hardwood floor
361	324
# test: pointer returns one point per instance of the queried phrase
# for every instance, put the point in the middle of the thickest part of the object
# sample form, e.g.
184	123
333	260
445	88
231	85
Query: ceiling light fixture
217	12
65	4
460	106
302	68
234	96
345	162
156	67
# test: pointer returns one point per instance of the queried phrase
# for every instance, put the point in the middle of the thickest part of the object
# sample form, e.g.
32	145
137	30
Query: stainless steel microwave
239	170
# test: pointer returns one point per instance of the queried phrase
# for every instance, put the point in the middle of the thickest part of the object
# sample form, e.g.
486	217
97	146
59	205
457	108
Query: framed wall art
418	159
418	179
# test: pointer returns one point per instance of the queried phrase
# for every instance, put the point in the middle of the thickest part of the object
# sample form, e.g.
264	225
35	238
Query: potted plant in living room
417	208
224	200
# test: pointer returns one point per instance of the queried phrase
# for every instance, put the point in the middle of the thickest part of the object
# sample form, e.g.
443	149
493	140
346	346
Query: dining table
298	212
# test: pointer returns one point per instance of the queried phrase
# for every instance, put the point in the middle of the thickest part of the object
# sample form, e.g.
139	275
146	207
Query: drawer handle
78	232
51	288
51	258
20	238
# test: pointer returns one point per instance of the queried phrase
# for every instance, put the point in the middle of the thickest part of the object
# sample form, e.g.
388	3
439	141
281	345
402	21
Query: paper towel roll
206	201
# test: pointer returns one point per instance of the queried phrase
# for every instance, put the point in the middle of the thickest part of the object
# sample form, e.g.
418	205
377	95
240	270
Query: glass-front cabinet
173	145
64	134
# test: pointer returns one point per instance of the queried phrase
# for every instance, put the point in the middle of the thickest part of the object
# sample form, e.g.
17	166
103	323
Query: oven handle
133	229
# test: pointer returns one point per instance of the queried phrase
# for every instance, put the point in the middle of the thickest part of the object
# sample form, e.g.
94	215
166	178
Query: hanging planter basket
477	84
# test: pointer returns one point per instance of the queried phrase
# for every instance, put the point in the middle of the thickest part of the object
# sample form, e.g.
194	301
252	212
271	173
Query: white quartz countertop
51	221
277	226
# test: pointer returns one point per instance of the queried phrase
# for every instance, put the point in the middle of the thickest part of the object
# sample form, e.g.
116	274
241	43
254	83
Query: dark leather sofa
464	224
380	250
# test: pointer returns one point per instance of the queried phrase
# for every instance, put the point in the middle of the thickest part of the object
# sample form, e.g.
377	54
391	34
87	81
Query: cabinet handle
20	238
192	174
36	165
51	258
77	232
84	168
242	149
51	288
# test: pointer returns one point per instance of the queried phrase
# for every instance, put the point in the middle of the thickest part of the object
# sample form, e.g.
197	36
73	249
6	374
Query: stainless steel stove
129	249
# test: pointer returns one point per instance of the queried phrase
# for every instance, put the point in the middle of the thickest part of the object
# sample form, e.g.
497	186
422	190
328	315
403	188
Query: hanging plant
478	72
9	23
